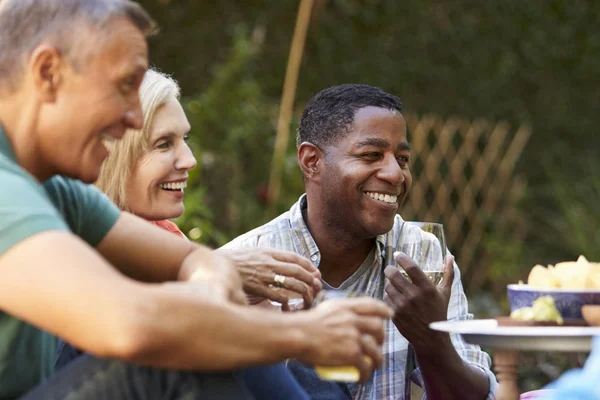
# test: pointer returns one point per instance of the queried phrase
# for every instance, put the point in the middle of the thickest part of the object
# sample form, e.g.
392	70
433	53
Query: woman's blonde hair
156	89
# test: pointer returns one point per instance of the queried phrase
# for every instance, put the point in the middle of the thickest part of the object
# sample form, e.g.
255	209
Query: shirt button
313	257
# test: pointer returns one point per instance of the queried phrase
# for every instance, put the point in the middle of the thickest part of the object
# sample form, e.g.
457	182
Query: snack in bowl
580	275
591	314
570	284
542	310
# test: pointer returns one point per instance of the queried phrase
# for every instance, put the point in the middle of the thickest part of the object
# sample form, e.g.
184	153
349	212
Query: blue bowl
567	302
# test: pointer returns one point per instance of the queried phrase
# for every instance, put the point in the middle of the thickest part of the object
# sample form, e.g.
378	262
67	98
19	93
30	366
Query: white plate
486	332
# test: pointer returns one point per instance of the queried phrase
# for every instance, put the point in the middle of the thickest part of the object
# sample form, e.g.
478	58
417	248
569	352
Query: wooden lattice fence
463	176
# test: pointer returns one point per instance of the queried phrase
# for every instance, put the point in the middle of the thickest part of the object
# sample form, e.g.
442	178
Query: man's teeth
386	198
107	138
173	185
107	141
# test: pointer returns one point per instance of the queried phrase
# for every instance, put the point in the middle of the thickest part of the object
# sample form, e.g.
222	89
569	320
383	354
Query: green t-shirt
27	207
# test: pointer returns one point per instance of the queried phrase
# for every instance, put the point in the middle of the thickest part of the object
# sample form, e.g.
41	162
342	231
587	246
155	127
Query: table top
486	332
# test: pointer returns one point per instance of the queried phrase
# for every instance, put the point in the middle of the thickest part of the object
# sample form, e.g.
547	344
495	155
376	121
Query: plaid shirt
289	232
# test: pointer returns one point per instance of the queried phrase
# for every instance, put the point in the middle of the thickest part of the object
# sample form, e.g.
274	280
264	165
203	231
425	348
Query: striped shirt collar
299	225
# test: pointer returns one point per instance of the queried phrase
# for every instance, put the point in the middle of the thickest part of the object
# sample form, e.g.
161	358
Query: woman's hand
346	332
259	267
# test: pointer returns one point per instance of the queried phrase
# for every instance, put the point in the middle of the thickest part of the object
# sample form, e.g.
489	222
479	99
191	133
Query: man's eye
371	156
128	85
403	160
186	138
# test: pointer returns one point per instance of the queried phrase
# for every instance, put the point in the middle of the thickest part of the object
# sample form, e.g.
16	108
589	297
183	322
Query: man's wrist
438	347
290	339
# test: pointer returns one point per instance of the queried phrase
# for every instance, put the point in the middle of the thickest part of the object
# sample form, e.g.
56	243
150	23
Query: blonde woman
147	170
146	174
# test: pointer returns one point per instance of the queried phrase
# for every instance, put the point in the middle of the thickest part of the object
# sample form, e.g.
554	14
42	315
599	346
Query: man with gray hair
155	309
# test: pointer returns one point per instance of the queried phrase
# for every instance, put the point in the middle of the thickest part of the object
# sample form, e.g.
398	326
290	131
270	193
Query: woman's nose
185	159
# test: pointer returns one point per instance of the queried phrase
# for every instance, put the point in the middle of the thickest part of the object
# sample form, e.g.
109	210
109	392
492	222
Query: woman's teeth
173	185
386	198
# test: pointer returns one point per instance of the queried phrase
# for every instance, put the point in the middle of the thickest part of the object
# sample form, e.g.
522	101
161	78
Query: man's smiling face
365	176
97	101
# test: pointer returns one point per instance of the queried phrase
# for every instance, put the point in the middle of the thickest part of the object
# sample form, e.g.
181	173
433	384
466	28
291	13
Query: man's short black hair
329	115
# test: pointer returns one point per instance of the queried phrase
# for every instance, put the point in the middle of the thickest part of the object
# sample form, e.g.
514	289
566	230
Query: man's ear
46	69
310	159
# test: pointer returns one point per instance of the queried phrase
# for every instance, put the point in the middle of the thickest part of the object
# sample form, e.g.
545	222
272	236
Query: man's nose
134	118
391	171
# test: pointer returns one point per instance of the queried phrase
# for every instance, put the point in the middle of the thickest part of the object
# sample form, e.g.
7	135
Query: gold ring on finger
278	280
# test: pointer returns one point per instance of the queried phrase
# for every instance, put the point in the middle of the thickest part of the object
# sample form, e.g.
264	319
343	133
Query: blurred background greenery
535	62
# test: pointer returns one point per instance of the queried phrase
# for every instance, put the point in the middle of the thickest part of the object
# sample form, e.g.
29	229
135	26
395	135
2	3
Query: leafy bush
565	211
233	130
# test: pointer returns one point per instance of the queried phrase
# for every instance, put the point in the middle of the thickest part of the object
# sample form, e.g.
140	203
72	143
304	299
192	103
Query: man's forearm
187	325
189	331
145	252
447	376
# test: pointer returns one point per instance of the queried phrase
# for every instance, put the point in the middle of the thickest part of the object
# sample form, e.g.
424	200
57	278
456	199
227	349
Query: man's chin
84	176
88	180
376	229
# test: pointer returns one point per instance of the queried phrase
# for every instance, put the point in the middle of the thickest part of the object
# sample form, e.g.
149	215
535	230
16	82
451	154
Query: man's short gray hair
25	24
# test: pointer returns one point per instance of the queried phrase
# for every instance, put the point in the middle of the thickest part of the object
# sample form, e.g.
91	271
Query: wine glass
295	300
425	243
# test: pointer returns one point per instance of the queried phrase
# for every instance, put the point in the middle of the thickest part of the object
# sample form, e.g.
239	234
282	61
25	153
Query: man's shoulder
66	186
89	213
67	193
276	227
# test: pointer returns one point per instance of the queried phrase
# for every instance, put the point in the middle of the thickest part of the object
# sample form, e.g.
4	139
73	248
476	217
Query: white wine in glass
435	277
425	243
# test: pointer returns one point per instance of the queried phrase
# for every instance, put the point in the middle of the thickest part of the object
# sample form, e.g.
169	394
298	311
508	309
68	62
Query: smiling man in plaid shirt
354	156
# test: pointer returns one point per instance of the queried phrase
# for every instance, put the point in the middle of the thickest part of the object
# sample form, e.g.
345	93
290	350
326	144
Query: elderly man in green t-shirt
72	266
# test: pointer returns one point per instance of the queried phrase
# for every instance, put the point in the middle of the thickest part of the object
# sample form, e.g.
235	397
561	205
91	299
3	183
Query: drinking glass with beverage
425	243
346	373
295	300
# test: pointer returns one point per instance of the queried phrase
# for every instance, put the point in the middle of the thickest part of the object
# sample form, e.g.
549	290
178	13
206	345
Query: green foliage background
535	61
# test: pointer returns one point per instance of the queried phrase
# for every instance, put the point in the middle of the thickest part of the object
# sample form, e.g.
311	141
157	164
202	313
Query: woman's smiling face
156	186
